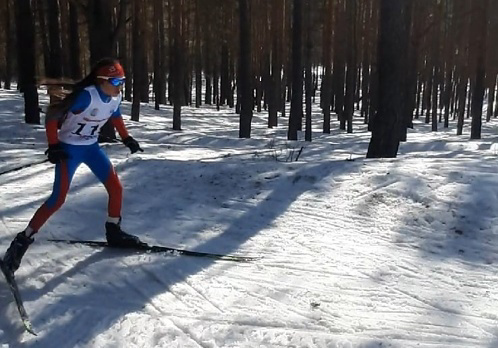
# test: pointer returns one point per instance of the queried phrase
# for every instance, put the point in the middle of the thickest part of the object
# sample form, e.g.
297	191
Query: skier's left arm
118	123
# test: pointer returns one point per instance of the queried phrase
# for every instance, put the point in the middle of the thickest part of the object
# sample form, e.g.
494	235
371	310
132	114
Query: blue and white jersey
86	117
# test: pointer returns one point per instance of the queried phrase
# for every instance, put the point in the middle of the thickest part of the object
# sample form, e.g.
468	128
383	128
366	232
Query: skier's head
108	74
101	74
110	78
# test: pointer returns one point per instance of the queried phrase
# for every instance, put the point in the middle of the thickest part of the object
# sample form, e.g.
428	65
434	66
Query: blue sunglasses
115	81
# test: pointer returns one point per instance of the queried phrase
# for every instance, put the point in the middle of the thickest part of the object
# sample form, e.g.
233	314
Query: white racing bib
84	128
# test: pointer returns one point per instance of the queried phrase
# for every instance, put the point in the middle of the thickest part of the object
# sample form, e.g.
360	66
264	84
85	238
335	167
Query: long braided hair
59	109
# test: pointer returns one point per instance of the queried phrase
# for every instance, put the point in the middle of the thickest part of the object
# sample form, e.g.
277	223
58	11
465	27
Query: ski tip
29	328
11	280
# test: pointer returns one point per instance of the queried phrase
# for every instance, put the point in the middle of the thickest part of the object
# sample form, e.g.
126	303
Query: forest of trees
384	61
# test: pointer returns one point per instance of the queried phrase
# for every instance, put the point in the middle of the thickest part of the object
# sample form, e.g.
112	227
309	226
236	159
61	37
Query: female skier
72	129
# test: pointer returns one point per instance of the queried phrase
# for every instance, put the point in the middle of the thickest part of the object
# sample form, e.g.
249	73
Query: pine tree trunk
100	36
137	45
365	70
143	53
492	57
245	76
177	66
326	90
409	85
26	60
340	47
9	46
462	95
276	64
347	117
224	74
308	71
126	59
54	38
448	87
216	88
491	100
74	43
159	58
64	35
100	29
43	36
386	124
296	112
479	22
198	55
435	64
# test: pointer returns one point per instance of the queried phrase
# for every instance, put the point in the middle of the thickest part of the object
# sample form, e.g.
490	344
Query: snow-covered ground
356	253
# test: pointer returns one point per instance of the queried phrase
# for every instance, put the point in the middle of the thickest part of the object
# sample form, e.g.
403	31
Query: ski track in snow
362	253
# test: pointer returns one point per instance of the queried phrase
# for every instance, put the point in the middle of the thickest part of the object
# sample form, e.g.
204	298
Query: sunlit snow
356	252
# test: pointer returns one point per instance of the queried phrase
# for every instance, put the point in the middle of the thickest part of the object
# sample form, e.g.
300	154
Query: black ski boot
16	250
116	237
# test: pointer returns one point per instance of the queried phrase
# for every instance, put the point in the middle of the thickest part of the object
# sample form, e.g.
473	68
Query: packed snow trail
357	253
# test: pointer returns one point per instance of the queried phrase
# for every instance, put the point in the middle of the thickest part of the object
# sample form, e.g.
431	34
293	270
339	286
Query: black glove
56	153
132	144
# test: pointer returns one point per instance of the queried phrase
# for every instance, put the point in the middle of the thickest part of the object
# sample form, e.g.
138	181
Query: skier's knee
55	202
59	203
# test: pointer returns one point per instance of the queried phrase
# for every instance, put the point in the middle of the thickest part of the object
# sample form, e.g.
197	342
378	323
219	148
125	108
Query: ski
11	281
160	249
